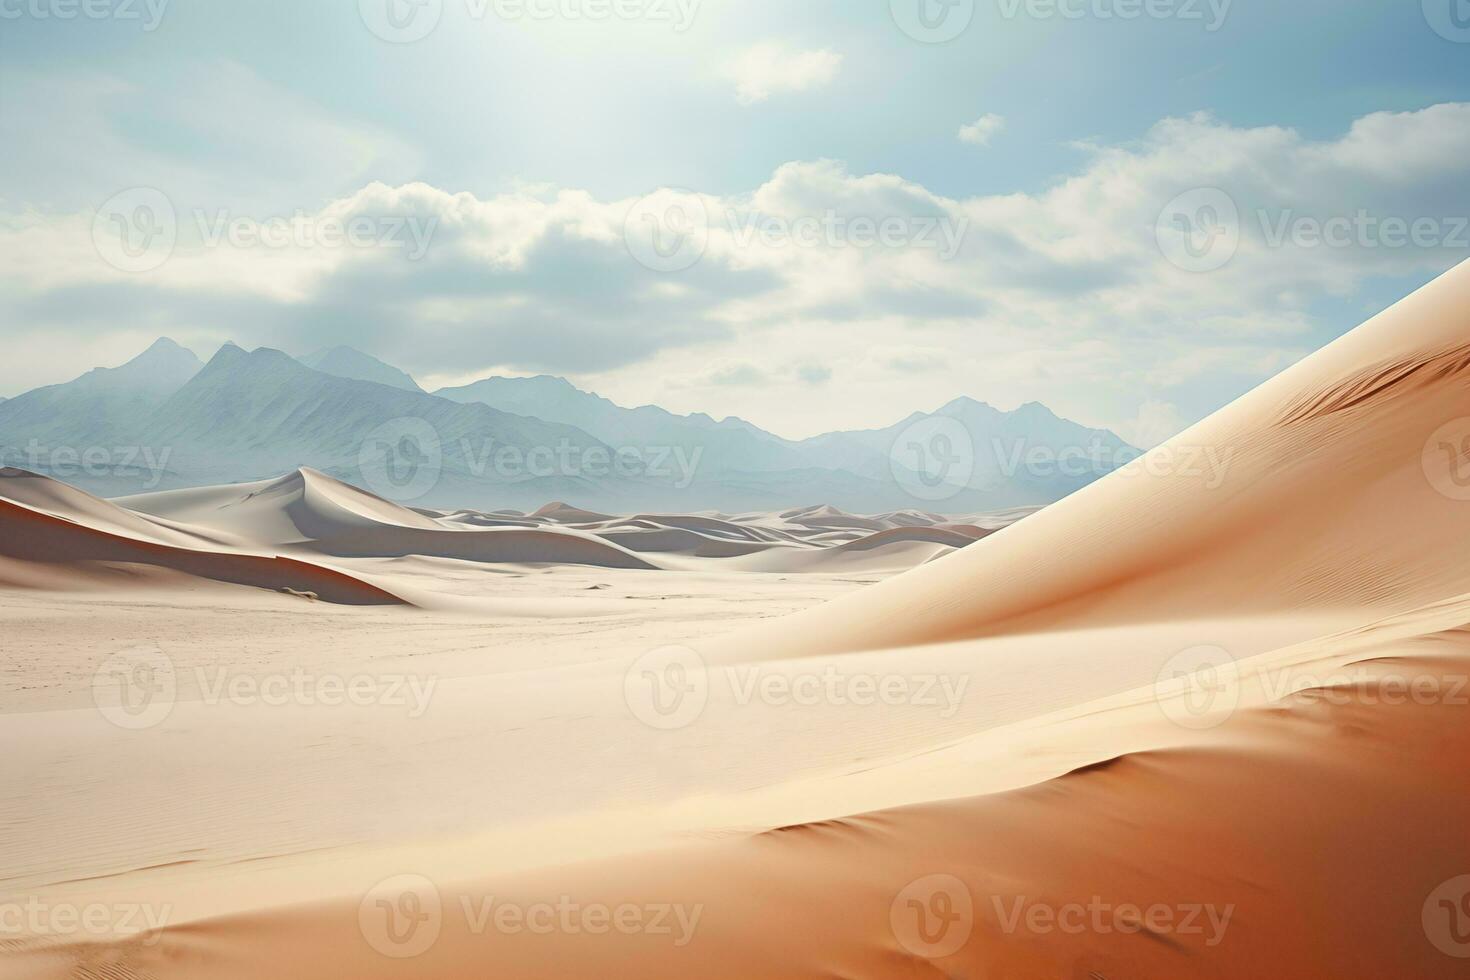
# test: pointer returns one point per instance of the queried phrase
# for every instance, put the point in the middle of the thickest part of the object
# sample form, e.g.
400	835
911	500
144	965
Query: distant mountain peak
349	362
1035	410
966	402
164	365
165	344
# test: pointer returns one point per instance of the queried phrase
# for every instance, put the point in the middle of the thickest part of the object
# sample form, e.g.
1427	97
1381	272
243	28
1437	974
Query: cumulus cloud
1076	289
982	130
775	67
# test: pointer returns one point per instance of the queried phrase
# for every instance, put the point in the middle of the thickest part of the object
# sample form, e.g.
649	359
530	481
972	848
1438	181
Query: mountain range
166	420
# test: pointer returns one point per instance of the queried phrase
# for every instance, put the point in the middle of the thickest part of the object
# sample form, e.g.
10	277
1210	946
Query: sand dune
94	555
312	512
1264	849
1245	511
1207	718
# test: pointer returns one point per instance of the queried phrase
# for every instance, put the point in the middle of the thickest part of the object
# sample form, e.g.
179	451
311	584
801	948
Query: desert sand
1172	726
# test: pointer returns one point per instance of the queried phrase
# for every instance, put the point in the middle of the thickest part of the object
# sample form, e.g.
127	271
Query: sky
812	214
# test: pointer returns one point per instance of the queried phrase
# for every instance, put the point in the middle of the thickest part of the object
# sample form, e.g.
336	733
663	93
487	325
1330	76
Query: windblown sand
1169	727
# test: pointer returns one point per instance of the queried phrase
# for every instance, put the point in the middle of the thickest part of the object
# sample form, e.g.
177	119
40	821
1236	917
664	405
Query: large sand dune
1086	799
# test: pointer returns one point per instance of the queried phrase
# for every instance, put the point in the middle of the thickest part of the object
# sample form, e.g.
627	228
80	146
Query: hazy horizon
868	214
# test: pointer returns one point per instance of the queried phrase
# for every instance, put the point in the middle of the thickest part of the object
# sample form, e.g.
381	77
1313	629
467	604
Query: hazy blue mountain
1025	456
251	414
106	407
163	420
731	445
348	362
1029	455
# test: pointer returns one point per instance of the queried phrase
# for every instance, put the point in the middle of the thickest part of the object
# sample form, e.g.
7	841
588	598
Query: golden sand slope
1312	838
1324	487
1106	812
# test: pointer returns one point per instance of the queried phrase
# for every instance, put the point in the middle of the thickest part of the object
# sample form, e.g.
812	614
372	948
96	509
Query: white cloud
774	67
1063	295
980	132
